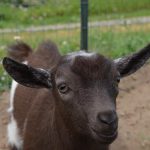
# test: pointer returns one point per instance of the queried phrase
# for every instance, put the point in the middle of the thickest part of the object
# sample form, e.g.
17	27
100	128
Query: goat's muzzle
106	128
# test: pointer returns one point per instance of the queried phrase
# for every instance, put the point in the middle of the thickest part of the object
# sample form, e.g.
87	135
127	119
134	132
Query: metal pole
84	25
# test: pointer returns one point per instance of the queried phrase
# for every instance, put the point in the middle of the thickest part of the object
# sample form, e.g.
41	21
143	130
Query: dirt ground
133	106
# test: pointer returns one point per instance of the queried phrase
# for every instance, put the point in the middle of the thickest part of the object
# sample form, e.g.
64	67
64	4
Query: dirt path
133	108
3	119
107	23
134	112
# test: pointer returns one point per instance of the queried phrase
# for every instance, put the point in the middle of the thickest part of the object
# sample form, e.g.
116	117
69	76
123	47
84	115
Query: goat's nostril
108	117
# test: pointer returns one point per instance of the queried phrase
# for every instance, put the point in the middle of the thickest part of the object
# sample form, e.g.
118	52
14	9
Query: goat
70	104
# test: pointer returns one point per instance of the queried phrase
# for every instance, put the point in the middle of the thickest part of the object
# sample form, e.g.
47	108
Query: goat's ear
130	64
26	75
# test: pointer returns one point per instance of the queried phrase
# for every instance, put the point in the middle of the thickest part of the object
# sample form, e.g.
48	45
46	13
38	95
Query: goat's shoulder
27	99
40	121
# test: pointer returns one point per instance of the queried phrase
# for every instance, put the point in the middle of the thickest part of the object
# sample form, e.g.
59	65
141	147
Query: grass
113	42
66	11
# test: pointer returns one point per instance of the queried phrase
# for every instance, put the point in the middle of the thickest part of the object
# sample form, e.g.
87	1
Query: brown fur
19	51
54	131
83	116
46	55
91	69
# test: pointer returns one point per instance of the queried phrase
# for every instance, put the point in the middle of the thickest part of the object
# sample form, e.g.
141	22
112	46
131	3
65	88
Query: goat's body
77	108
21	102
47	55
34	131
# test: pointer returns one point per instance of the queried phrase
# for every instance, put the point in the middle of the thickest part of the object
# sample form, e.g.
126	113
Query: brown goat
74	107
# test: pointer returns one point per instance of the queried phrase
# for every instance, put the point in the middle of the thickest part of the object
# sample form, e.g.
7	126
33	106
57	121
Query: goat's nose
108	117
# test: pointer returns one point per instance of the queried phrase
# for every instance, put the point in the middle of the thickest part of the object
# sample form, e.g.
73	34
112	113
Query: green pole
84	25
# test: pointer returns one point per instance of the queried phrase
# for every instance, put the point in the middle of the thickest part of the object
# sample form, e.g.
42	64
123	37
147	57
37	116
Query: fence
116	27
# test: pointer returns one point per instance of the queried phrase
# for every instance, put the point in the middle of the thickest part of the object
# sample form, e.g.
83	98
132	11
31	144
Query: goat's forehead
73	55
88	59
92	65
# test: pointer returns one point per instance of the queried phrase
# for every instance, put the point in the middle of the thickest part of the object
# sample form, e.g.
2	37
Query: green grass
4	79
118	44
66	11
112	42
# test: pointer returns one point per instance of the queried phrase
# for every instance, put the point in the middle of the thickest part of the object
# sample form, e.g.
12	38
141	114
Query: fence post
84	25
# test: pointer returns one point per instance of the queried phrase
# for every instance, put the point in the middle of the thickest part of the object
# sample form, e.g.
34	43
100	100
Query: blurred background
116	28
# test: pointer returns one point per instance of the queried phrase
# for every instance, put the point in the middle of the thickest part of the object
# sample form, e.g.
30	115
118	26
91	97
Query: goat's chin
102	138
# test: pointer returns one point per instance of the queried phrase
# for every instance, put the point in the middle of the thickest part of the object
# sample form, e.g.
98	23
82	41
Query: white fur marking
14	139
117	60
80	53
12	94
25	62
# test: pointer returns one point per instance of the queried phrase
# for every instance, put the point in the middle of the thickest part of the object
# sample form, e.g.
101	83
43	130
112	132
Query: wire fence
116	27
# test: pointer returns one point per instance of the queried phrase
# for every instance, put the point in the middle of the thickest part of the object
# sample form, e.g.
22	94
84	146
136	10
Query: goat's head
85	85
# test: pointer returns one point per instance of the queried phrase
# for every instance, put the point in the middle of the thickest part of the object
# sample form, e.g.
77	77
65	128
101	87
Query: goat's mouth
105	138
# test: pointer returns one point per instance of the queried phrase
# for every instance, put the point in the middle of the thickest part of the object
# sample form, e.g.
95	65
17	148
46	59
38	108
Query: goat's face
88	87
85	86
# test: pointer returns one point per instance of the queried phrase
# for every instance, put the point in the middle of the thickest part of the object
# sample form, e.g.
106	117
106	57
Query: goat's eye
63	88
118	79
